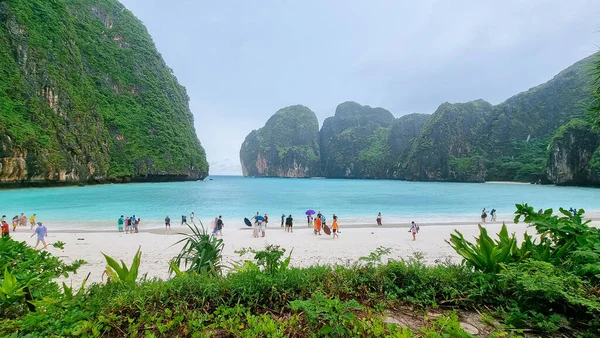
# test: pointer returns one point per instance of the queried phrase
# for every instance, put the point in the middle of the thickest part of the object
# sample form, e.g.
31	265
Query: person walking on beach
335	226
42	232
15	222
183	219
493	215
379	219
318	225
414	229
192	215
282	219
219	228
483	215
167	224
120	223
32	221
289	223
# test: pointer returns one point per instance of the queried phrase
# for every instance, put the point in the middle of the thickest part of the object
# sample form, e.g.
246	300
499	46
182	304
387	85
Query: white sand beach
308	249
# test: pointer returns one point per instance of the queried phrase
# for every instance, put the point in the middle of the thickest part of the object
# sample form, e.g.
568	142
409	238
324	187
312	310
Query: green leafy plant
59	245
375	257
119	273
488	254
330	317
201	252
11	290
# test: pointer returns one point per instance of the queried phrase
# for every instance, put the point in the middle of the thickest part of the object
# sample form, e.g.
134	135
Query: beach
308	249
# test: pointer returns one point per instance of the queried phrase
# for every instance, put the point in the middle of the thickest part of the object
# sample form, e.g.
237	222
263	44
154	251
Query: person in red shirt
5	229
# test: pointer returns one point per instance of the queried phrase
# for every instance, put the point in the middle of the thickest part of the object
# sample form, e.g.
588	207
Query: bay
236	197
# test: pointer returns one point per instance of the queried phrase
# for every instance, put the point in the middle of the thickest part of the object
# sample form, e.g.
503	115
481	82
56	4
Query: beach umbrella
310	212
247	221
259	218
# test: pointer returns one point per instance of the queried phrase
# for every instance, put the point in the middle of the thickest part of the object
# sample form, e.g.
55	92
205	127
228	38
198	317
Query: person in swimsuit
414	229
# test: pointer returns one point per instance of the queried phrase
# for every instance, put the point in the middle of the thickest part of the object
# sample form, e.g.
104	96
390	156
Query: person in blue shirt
42	232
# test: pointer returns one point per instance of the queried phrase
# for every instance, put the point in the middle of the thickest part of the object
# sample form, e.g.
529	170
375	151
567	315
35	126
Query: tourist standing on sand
167	224
42	232
32	221
266	221
120	223
318	224
127	224
310	220
183	219
483	215
493	215
220	224
289	223
15	222
282	219
5	227
136	225
192	215
379	219
262	227
335	226
414	228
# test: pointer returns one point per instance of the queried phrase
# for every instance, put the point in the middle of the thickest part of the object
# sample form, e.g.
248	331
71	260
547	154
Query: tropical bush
201	252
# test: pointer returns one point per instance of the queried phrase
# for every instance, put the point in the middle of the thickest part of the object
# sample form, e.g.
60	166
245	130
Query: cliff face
575	155
85	97
403	134
287	146
448	148
354	142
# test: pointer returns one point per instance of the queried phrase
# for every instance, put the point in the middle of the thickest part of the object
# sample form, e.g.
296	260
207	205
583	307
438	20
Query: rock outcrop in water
287	146
354	141
86	97
468	142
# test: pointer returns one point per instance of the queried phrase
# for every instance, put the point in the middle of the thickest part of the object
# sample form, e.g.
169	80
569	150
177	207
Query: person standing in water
289	223
42	232
120	223
414	229
167	224
379	219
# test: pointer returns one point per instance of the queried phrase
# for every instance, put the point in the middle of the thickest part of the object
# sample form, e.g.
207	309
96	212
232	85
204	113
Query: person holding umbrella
309	217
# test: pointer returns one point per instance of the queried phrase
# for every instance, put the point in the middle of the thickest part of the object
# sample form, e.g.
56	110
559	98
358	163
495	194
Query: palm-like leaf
201	252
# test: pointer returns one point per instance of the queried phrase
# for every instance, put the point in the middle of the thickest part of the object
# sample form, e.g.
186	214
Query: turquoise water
235	197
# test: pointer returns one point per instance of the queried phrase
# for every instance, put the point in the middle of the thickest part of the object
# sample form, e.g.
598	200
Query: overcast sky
243	60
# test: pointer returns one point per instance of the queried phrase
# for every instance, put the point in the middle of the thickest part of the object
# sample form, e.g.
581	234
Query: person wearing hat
42	232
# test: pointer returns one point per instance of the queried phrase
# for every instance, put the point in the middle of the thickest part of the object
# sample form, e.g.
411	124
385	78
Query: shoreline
309	249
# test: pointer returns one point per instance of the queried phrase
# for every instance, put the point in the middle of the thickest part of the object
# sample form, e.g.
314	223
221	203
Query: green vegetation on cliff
287	146
354	142
86	97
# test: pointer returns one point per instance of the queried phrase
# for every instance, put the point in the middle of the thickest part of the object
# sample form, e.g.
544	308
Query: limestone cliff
85	97
354	142
287	146
575	155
